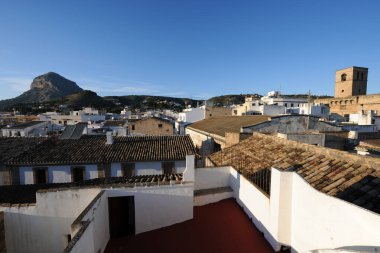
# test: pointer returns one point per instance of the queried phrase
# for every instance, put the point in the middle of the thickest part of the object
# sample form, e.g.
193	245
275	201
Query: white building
88	157
272	104
85	115
301	197
30	129
68	218
315	109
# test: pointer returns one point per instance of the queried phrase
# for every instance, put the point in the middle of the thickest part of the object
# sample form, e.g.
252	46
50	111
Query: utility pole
308	110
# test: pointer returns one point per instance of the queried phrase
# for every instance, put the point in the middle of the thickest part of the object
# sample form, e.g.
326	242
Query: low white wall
171	205
96	236
324	222
44	227
86	242
215	177
255	204
212	198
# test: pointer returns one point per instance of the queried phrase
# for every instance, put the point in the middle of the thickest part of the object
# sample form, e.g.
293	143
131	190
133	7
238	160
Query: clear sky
194	49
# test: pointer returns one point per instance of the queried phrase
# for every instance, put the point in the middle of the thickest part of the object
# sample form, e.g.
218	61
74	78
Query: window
343	77
342	91
361	76
286	104
133	127
77	174
210	114
40	175
357	75
160	125
168	167
291	105
235	112
128	169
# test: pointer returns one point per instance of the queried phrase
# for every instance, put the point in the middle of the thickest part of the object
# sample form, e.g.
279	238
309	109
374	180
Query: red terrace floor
221	227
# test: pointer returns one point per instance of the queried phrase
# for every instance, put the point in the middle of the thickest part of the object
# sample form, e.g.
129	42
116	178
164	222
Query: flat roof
223	124
218	227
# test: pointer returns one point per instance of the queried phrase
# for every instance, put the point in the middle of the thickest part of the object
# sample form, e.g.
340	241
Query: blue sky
194	49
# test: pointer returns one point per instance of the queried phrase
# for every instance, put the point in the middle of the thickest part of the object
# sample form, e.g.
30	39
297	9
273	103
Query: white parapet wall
212	177
44	227
319	221
297	215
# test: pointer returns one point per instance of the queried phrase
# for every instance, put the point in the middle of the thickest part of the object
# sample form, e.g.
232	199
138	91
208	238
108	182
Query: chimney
109	138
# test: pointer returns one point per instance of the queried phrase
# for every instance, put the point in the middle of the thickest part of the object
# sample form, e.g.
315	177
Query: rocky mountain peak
55	83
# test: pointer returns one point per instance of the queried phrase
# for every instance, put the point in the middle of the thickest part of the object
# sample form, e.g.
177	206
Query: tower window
343	77
342	91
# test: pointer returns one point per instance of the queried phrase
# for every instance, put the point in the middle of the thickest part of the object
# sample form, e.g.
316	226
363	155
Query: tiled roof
347	176
21	194
28	124
73	132
93	149
373	144
223	124
11	147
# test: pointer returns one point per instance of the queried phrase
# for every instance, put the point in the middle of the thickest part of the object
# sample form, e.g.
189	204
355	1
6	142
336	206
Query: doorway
121	212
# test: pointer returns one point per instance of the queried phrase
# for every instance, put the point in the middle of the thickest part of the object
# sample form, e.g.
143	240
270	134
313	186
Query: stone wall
217	111
151	126
352	104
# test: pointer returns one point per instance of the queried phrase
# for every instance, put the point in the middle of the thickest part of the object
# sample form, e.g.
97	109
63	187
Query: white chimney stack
109	138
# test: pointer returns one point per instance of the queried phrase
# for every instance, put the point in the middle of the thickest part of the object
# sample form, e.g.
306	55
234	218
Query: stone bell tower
351	82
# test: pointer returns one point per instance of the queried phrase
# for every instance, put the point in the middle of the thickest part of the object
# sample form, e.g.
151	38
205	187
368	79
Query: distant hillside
305	96
226	100
147	101
44	88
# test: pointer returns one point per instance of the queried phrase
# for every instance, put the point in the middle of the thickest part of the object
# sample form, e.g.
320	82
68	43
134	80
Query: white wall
324	222
171	205
57	174
96	236
255	204
208	178
180	166
116	170
148	168
26	175
44	227
91	171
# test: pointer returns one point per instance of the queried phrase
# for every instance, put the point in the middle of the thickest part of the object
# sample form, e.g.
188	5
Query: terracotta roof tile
221	125
93	149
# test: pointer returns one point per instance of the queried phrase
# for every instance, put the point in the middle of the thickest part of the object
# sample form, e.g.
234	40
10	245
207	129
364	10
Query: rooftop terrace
219	227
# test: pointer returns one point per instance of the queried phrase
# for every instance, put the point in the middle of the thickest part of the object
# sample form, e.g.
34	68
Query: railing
246	166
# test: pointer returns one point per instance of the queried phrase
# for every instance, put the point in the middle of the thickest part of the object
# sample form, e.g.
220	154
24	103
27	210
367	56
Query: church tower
351	82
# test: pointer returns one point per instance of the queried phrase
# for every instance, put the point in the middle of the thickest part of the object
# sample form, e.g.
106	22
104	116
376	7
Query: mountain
44	88
226	100
148	101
